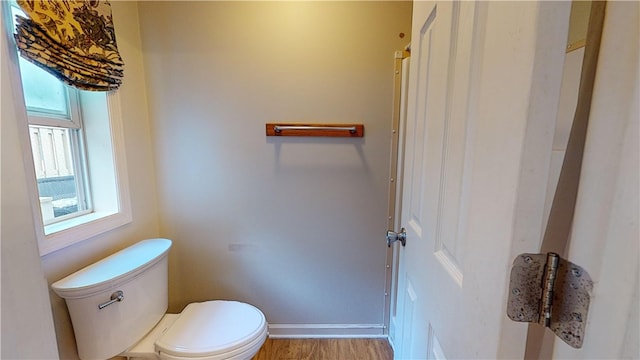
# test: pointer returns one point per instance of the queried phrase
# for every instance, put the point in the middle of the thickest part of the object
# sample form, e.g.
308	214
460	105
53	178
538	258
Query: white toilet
118	305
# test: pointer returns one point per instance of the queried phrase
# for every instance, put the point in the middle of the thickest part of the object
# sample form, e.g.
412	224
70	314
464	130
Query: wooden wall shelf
327	130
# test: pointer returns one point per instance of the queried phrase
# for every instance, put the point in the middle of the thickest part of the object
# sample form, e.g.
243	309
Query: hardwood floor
325	349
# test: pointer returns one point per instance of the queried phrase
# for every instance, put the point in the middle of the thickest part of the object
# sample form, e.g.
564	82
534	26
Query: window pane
42	91
58	188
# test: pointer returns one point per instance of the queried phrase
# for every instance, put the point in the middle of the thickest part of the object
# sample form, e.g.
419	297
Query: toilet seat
211	330
214	330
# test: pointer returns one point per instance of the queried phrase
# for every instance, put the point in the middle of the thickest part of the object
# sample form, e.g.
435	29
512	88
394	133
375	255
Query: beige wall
140	167
27	326
293	225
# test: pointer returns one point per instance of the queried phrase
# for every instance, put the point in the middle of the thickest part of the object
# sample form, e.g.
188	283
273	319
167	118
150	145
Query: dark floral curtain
72	39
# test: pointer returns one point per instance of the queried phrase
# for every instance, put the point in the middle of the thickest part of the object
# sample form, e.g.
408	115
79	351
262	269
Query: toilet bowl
117	308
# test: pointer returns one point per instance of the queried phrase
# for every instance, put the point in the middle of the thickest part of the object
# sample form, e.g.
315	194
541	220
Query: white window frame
110	187
72	122
104	145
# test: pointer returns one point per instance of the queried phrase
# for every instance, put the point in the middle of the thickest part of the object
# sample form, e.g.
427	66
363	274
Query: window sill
69	232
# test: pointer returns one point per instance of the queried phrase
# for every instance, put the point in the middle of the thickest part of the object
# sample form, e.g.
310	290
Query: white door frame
401	80
604	238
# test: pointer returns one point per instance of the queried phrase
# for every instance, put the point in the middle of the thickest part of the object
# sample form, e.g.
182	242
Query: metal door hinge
551	291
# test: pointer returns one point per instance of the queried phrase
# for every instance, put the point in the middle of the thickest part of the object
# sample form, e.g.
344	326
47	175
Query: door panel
408	345
435	169
479	71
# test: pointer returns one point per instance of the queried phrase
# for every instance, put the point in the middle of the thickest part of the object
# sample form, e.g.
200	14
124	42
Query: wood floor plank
328	348
348	348
309	349
325	349
286	349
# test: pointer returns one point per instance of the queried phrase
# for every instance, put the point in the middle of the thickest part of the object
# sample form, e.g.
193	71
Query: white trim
291	331
78	229
393	345
62	234
22	119
119	154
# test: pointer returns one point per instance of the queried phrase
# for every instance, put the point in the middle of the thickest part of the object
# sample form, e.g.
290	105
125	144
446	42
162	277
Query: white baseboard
292	331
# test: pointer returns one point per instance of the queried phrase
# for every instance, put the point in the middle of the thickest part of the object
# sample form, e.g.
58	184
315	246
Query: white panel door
475	77
434	161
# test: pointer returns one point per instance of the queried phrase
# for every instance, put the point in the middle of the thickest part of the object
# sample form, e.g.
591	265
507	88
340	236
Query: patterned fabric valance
72	39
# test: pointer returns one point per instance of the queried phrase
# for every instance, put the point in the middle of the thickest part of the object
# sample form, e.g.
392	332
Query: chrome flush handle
115	297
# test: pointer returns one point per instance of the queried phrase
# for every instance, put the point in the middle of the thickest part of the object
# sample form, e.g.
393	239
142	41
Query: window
57	142
78	160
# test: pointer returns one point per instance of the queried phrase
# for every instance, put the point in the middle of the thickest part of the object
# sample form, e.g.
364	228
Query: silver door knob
393	236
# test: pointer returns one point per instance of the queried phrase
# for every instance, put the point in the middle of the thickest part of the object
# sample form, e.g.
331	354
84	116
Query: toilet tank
105	330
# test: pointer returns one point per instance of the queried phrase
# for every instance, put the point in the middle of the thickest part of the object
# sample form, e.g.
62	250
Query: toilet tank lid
119	266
